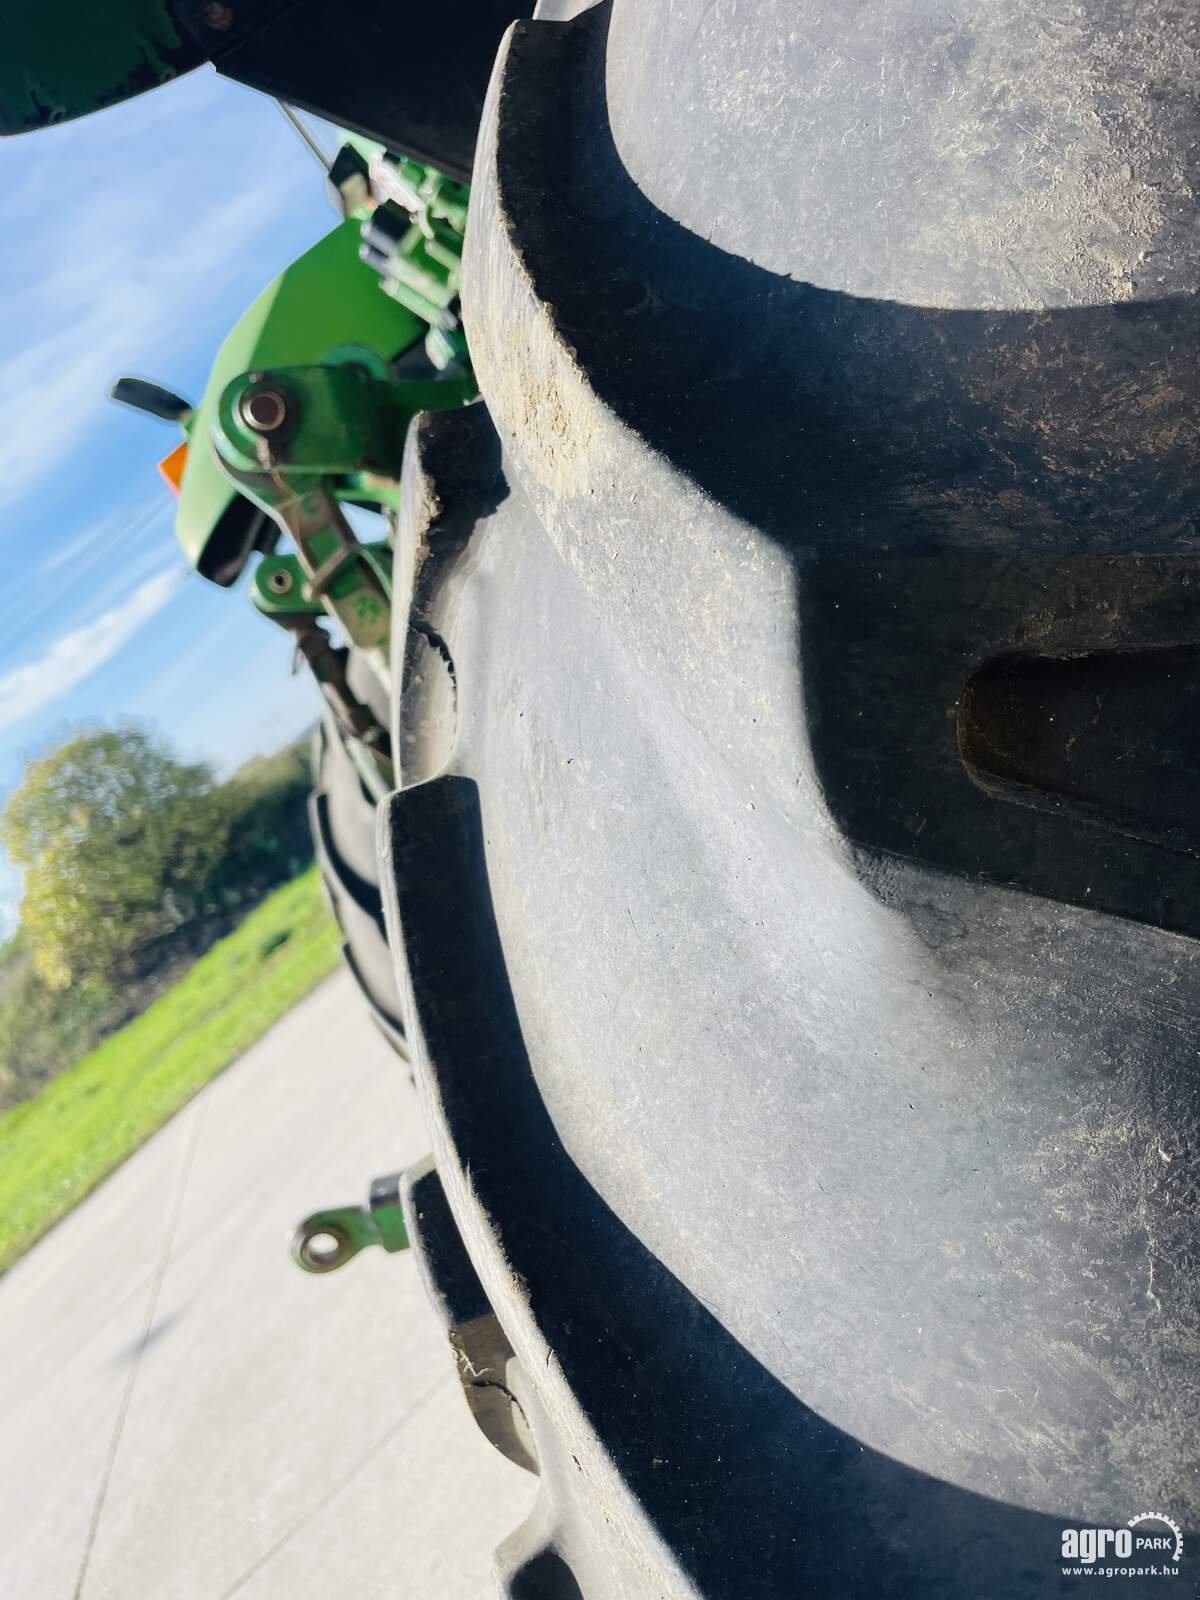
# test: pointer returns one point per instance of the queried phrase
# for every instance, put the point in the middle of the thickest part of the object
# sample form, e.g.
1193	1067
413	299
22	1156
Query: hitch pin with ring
326	1240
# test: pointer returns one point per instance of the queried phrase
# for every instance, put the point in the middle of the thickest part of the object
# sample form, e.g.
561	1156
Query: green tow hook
326	1240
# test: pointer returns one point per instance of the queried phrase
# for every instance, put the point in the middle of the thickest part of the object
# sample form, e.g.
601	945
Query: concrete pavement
184	1415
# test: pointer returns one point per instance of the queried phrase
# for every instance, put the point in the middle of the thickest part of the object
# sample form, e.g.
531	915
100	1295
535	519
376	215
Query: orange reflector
171	466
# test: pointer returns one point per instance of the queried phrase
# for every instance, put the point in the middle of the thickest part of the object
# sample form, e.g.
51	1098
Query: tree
43	1030
269	839
118	840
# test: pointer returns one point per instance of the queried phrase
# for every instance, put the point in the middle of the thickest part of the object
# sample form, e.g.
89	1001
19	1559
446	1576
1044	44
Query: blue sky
132	240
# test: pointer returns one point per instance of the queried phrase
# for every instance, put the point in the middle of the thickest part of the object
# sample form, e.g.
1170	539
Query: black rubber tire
341	814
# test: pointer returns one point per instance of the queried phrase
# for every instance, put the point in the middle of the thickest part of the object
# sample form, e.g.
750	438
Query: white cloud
92	571
97	539
28	689
160	206
108	315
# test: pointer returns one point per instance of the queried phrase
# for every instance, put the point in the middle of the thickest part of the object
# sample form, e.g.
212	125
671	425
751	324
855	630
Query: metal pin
264	410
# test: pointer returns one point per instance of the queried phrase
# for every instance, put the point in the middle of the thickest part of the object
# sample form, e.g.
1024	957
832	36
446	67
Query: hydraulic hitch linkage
299	442
302	440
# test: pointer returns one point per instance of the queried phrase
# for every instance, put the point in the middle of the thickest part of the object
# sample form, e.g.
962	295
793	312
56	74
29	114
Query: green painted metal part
337	570
432	192
424	274
324	298
332	421
71	58
343	420
281	586
349	1229
413	218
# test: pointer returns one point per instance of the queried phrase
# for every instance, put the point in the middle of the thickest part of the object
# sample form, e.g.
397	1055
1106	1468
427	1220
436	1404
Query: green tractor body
306	409
325	299
56	64
410	77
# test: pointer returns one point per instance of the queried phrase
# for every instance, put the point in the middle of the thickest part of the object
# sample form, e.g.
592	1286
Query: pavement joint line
335	1489
78	1349
218	1219
110	1177
84	1345
135	1366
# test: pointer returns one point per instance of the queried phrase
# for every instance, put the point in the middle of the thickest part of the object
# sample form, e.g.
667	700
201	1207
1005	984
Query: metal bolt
279	581
264	410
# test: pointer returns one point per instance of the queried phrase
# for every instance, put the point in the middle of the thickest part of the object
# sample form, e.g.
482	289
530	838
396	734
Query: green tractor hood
413	77
60	61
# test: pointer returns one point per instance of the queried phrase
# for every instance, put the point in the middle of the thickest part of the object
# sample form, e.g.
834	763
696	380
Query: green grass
56	1147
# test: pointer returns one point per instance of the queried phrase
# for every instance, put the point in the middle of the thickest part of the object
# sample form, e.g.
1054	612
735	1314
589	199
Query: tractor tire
342	816
796	876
